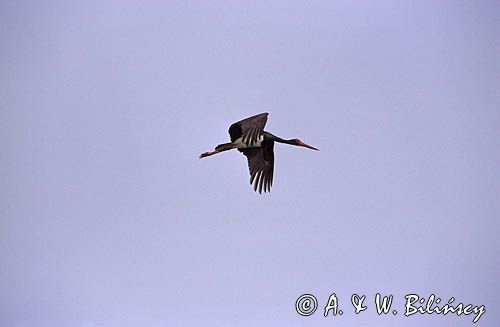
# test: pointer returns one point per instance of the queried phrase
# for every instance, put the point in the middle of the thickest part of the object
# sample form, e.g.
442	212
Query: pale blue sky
108	218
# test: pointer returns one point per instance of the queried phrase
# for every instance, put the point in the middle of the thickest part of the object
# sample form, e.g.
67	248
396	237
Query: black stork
249	137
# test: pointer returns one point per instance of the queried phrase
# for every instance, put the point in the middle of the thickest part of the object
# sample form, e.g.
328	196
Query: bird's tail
224	147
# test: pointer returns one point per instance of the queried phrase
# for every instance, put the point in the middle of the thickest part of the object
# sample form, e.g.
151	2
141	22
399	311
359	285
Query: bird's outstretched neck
296	142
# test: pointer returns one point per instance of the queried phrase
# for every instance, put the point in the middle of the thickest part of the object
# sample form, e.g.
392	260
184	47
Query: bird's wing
261	165
250	129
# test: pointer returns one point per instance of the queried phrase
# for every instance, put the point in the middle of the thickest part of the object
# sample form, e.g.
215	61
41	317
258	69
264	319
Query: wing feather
261	166
250	129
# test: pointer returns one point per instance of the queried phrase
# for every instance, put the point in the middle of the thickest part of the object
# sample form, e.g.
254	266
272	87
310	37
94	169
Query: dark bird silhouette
249	137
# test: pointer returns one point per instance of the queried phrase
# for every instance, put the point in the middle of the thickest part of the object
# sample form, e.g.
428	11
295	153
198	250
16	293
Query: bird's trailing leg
209	153
219	148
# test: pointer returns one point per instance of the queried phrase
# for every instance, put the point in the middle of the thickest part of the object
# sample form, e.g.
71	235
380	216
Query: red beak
306	145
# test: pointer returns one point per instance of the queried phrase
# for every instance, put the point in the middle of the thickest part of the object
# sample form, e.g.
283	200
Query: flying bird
249	137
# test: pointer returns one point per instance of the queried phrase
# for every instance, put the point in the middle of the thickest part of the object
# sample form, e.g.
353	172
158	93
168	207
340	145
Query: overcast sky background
108	217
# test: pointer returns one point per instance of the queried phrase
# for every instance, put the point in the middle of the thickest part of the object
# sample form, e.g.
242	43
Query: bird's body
249	137
239	144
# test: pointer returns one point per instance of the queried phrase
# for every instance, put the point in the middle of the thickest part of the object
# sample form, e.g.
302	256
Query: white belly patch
241	145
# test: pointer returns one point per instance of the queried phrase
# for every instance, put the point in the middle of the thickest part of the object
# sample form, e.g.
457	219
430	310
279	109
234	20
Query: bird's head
300	143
